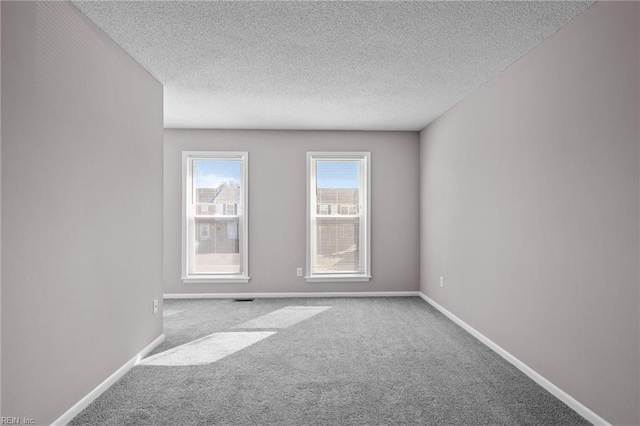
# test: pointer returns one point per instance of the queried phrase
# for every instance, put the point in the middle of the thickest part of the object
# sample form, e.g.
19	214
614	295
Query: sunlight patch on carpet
285	317
208	349
169	312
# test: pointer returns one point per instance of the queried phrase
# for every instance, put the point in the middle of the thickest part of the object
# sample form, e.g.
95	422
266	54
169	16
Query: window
204	231
338	225
347	209
214	231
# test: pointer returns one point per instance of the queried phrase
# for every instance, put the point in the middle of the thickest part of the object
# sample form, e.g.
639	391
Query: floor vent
243	300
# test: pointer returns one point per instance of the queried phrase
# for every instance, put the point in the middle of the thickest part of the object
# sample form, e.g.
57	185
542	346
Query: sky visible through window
330	174
211	173
337	174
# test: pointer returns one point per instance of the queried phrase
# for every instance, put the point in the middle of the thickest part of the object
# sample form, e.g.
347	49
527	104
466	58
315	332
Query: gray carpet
374	361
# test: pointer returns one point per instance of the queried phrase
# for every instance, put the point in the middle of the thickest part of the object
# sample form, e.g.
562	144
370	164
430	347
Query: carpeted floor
362	361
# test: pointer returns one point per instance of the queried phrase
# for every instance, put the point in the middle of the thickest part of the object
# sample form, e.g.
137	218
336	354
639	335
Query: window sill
333	278
216	279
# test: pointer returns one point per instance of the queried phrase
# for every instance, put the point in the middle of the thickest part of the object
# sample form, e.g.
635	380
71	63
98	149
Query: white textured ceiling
323	65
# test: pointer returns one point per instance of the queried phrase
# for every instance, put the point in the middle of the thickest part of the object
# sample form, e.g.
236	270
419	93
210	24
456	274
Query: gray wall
81	208
277	207
530	192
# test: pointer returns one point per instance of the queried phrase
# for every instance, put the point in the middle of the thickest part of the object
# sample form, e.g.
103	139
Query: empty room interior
320	212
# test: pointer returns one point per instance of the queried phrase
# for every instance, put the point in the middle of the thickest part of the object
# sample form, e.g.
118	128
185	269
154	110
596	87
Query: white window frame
364	245
242	213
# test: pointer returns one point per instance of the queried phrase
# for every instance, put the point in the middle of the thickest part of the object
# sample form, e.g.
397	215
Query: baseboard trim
99	390
535	376
288	295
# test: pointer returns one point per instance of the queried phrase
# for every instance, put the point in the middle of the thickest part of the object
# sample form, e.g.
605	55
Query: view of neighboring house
217	218
337	219
337	201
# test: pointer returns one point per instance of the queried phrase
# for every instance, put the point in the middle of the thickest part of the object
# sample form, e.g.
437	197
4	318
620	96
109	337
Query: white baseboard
288	295
539	379
99	390
151	346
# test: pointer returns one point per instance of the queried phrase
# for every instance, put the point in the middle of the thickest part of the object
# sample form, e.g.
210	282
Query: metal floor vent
243	300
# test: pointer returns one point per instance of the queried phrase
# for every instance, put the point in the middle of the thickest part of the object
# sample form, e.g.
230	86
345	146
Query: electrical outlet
441	281
155	306
299	272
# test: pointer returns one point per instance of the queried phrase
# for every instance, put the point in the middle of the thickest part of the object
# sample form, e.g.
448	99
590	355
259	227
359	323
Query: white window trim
365	250
243	230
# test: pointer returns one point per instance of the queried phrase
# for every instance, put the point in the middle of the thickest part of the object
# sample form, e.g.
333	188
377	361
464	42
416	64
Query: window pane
337	235
337	245
219	252
216	202
338	174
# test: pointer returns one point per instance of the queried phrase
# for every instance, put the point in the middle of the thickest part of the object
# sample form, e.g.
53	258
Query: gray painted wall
81	208
277	206
530	191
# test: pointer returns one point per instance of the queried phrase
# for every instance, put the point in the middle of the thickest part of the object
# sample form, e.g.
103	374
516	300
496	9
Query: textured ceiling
323	65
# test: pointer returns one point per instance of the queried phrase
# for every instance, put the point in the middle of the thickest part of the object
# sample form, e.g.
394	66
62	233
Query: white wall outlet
441	281
155	306
299	272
